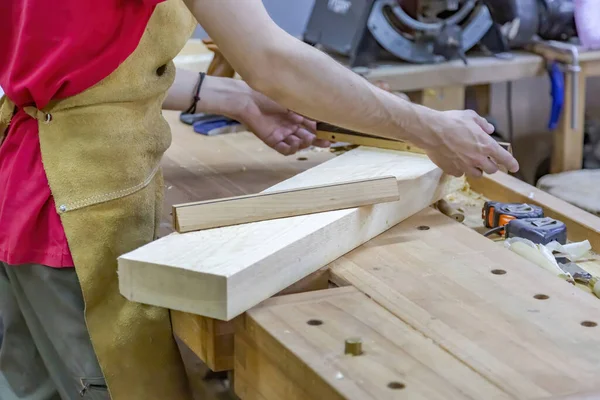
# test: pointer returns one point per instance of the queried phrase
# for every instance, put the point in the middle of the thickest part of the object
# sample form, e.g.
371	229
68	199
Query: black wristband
192	109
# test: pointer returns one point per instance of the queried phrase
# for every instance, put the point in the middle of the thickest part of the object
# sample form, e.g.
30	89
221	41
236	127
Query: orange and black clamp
496	214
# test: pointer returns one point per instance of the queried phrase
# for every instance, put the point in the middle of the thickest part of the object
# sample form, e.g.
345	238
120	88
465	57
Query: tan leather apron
101	151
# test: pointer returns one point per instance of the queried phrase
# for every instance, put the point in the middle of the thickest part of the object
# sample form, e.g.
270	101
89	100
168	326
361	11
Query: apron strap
37	114
7	109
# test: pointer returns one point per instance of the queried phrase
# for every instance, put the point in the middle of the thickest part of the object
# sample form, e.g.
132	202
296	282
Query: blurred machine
430	31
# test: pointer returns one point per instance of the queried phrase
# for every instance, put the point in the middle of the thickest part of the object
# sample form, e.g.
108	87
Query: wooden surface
481	69
441	281
221	273
292	347
281	204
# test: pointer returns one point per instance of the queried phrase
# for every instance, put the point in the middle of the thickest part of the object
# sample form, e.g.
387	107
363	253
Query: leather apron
101	151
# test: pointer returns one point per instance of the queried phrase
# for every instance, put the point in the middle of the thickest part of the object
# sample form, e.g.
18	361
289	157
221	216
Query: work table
442	312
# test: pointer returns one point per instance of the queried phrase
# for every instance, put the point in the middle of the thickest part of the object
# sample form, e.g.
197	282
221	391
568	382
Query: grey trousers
46	352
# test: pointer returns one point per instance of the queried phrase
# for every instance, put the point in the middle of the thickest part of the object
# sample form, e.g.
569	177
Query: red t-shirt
51	49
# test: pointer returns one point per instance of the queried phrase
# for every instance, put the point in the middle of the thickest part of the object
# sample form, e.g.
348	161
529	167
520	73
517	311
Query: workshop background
530	98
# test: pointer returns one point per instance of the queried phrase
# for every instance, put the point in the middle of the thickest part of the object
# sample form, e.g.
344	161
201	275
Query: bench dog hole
396	385
541	297
589	324
314	322
498	272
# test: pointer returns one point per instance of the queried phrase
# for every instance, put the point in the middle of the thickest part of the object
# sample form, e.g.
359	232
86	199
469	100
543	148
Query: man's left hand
279	128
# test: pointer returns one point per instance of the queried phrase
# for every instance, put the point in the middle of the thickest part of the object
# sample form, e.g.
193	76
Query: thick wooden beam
229	211
581	225
221	273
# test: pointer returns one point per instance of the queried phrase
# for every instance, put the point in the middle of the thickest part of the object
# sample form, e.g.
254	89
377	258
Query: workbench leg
480	96
567	153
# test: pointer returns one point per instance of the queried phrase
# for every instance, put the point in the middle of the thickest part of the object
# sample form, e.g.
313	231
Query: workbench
441	312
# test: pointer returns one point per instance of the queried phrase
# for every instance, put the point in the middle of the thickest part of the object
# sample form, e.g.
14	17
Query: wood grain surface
528	332
293	347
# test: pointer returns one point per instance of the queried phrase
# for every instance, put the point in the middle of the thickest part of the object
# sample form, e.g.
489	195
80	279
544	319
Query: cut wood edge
264	206
581	225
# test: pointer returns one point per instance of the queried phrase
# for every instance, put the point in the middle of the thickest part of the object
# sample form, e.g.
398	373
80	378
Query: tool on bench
523	221
211	124
579	274
496	214
538	230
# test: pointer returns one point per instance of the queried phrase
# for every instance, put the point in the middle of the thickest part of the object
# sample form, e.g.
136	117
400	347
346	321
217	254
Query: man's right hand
460	142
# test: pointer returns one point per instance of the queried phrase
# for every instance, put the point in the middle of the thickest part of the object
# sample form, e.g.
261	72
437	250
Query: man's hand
460	142
281	129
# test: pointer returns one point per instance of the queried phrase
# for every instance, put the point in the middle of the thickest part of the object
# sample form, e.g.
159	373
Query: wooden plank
212	340
581	225
292	347
481	69
229	211
221	273
481	303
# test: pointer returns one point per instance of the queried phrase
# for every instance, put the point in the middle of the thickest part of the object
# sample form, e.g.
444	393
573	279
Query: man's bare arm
276	126
219	96
311	83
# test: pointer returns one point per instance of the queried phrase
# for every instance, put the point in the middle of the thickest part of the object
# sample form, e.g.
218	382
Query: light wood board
223	272
292	347
481	69
441	282
218	213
